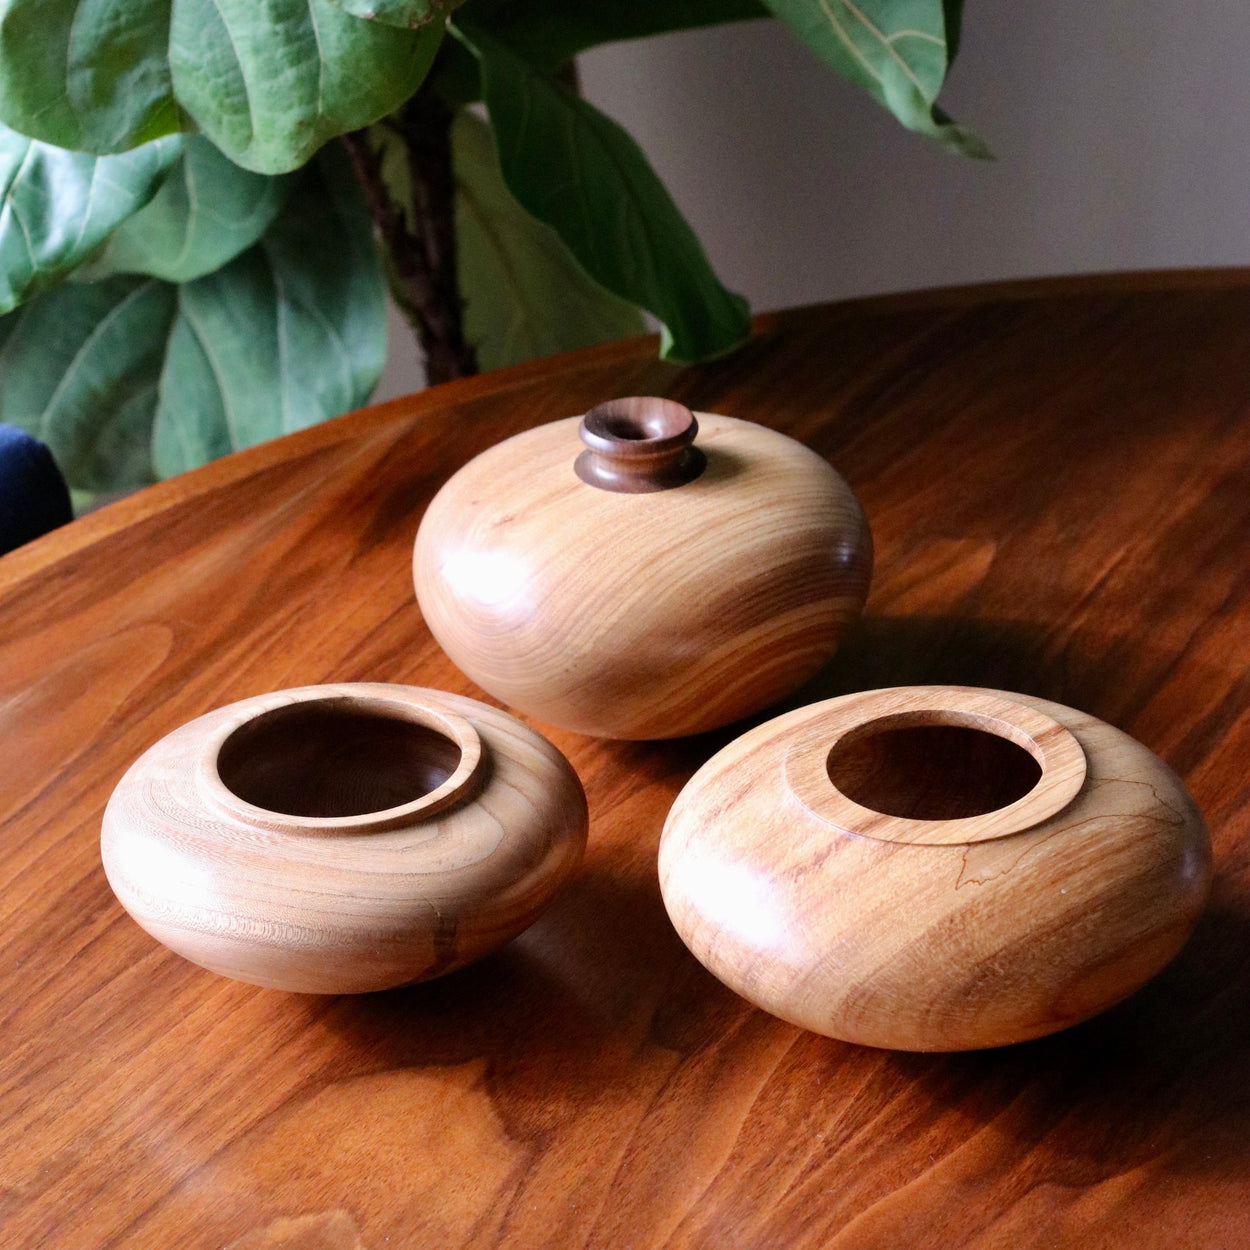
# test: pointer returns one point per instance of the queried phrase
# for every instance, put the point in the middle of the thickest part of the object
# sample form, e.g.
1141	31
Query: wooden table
1058	477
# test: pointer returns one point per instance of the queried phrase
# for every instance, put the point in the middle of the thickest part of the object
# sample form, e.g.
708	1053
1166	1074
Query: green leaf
271	82
897	50
79	368
207	211
578	171
525	296
410	13
87	74
57	206
550	34
546	35
133	376
953	13
288	334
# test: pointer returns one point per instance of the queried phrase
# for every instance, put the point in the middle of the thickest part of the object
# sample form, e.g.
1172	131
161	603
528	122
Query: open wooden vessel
343	838
934	867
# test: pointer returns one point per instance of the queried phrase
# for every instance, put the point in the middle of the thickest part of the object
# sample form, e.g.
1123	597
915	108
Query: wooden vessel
343	838
934	867
642	572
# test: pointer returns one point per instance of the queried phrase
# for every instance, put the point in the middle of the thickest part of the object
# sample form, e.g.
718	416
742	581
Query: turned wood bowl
642	572
343	838
934	868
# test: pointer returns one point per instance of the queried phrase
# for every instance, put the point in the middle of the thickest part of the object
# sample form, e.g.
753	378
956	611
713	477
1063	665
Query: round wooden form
343	838
592	574
907	928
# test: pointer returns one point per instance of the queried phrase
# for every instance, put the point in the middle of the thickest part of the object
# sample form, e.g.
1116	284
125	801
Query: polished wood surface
643	614
345	838
899	925
1058	480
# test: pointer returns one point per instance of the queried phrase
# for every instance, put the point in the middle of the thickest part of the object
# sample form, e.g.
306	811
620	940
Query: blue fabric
33	496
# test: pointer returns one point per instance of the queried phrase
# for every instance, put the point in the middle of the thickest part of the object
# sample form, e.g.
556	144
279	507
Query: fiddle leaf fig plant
204	203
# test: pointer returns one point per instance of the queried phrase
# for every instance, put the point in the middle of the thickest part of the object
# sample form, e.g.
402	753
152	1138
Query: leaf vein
86	215
238	60
218	373
98	332
11	204
917	34
321	59
879	34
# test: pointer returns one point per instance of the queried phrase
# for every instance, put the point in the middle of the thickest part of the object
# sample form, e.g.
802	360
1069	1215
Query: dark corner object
33	496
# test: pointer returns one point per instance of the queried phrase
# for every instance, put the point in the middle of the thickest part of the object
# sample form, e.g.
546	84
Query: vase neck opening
638	445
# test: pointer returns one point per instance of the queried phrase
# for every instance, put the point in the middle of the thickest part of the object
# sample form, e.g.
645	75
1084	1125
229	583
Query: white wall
1121	130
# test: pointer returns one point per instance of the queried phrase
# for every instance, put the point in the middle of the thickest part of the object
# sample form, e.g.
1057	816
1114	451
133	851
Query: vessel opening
640	418
931	771
626	428
330	758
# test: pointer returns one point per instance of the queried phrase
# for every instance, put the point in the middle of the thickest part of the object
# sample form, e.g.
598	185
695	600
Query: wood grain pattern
915	933
343	838
1058	479
651	614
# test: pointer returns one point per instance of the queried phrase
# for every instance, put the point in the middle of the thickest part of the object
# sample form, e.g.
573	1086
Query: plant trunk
421	242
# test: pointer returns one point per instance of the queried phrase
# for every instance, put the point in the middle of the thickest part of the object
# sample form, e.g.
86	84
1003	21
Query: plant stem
422	246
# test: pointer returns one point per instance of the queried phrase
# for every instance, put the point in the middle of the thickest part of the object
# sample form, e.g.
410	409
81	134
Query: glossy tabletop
1058	480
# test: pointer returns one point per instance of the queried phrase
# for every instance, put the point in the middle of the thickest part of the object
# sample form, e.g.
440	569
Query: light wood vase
641	573
934	868
343	838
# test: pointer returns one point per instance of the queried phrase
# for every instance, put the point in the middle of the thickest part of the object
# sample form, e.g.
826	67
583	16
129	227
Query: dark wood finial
639	444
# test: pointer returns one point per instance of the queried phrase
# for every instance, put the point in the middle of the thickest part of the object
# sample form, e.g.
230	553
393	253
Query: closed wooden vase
343	838
934	868
642	573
